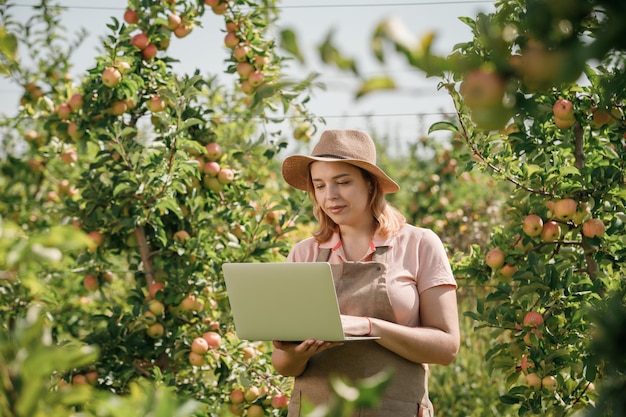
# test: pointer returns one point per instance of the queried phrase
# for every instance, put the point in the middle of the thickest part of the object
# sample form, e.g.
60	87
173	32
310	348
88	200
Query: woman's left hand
356	326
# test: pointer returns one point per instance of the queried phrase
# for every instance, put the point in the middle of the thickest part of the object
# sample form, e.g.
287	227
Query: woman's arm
436	340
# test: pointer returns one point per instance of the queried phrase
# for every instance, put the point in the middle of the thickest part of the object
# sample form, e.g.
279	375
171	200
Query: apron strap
324	255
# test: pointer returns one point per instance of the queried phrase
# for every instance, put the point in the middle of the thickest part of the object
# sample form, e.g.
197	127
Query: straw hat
350	146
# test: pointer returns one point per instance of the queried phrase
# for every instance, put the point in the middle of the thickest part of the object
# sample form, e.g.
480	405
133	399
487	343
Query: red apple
246	87
532	319
96	237
181	236
249	352
211	168
199	346
32	136
213	151
213	339
564	124
495	258
551	231
196	359
255	410
173	21
252	393
140	41
236	409
90	282
508	270
237	396
482	88
73	130
121	66
221	8
261	61
256	78
131	16
280	401
76	101
212	183
111	77
64	110
155	288
92	377
232	26
149	52
183	30
593	228
565	209
225	176
244	69
155	104
189	303
533	381
549	382
156	307
600	117
240	52
155	330
532	225
79	379
118	107
563	109
231	40
69	156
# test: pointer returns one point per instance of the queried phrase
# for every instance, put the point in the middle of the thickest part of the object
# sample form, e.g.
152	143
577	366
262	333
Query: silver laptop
288	301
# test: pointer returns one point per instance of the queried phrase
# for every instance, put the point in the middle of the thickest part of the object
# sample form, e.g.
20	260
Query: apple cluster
254	400
214	176
567	212
202	345
564	114
250	62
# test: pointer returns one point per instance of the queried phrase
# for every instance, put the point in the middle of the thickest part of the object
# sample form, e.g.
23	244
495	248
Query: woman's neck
356	241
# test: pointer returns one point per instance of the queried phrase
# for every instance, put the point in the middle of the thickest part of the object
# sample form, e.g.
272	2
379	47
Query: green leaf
439	126
375	84
8	45
122	188
289	42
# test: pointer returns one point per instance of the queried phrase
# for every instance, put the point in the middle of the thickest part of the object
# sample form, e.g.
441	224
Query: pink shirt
417	261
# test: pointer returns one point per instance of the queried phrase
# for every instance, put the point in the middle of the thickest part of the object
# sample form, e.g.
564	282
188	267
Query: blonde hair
388	219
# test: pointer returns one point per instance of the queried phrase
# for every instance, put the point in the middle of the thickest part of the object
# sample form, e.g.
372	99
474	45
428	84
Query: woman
393	281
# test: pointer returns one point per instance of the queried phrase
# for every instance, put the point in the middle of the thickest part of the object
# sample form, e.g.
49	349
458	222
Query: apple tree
539	94
163	177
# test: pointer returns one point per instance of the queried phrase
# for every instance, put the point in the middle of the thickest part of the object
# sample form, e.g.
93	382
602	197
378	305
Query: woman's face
342	192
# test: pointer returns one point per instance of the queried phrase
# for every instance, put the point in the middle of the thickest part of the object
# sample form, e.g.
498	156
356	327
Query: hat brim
295	171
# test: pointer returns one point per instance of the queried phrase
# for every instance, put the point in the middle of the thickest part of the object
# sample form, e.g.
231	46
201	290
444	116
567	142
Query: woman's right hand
290	358
304	349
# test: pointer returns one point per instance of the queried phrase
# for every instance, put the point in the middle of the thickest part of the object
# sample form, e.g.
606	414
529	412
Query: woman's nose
331	192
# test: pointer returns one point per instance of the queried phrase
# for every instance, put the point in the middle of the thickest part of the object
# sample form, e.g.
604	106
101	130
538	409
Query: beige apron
362	291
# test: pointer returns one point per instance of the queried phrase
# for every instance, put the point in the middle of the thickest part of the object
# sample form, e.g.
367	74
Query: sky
404	115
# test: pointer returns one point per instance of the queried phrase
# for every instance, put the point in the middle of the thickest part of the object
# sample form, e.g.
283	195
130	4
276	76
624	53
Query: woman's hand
290	358
356	326
304	350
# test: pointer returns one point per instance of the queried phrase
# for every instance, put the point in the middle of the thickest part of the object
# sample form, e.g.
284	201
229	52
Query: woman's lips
335	209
